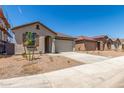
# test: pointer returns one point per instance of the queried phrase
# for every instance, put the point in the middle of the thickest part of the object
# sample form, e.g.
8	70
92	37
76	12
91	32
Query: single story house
108	44
117	44
47	40
112	44
122	44
84	43
101	41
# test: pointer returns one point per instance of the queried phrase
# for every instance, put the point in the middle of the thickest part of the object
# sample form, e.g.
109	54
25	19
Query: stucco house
84	43
117	44
108	44
48	41
102	42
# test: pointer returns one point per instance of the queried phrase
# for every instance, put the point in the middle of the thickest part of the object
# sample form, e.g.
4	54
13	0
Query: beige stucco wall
64	45
86	46
120	48
32	28
80	47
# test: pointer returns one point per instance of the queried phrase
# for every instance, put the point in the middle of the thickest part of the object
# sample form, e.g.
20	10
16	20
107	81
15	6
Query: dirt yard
105	53
15	66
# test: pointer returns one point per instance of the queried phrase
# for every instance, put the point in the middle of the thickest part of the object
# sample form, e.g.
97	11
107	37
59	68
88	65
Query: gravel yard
15	66
66	69
106	74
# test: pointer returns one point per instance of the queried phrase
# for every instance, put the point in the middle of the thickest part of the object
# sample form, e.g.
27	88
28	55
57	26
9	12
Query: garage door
64	45
90	46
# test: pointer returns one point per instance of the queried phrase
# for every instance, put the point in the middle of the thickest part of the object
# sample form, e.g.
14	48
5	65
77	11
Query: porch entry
98	46
48	44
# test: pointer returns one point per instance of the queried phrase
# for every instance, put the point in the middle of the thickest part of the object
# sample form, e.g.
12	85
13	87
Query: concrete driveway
85	58
109	73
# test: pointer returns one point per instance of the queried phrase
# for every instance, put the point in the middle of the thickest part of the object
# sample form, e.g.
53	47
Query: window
24	38
37	40
31	36
34	38
37	27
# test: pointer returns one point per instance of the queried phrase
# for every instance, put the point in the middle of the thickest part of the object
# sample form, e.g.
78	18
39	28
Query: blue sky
72	20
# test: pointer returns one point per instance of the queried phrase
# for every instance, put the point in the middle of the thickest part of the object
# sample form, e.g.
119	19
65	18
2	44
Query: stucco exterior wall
106	47
19	49
80	47
120	48
86	46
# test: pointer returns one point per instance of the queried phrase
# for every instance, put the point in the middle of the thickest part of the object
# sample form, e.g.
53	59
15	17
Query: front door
98	45
48	44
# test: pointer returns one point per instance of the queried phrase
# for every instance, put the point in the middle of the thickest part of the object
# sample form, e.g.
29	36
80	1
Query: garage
64	45
90	45
84	43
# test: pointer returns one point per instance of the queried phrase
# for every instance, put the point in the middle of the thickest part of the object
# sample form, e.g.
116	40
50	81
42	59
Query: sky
72	20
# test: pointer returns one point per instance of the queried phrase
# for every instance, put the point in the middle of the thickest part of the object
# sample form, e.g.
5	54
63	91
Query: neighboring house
5	46
108	44
122	44
83	43
101	41
117	44
47	40
122	41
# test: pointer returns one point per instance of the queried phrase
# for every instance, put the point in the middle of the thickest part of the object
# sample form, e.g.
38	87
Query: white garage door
64	45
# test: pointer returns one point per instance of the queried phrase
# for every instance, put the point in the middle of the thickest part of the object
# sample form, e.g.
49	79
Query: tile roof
100	36
63	35
85	38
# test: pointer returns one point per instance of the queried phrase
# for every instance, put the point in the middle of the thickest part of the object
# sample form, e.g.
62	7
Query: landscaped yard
15	66
105	53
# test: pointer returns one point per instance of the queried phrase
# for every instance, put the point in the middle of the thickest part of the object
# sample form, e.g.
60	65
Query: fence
6	48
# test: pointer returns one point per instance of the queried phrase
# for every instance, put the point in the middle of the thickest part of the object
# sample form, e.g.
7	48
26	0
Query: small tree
29	43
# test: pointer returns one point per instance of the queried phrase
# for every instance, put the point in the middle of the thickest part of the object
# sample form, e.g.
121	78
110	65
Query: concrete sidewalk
85	58
109	73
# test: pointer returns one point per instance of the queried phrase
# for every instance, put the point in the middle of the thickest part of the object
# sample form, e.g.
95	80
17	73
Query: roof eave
37	22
